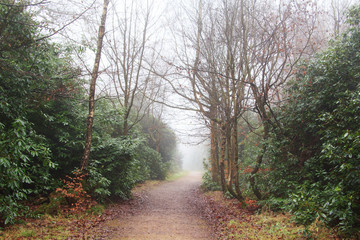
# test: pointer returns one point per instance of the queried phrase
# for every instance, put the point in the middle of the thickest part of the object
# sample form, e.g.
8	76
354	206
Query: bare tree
215	86
238	56
95	72
129	54
275	42
337	15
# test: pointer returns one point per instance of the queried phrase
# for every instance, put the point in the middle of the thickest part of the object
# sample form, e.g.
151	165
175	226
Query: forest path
167	211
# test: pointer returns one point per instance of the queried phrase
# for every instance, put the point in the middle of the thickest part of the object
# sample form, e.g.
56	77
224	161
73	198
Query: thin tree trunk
222	156
265	121
214	151
233	179
259	160
235	161
126	126
158	139
229	157
94	75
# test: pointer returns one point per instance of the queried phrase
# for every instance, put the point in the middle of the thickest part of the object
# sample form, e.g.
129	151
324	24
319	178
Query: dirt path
168	211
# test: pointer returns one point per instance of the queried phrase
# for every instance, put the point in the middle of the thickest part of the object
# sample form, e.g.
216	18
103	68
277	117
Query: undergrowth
237	221
274	226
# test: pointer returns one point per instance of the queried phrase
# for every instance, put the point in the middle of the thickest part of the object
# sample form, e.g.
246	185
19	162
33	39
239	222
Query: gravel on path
167	211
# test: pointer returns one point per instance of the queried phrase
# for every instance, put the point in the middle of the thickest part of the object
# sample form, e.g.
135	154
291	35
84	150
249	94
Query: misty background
193	156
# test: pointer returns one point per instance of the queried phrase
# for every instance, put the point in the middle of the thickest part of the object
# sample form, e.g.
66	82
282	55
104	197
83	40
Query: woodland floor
176	210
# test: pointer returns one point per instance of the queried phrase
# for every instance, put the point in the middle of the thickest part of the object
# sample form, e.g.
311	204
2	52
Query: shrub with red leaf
79	200
251	204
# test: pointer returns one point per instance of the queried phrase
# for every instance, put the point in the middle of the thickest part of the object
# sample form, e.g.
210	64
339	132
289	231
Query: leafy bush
97	184
24	167
32	76
207	183
155	168
162	140
315	154
114	160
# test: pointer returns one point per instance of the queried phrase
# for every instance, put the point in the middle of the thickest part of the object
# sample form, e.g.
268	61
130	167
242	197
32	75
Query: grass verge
76	226
177	175
236	222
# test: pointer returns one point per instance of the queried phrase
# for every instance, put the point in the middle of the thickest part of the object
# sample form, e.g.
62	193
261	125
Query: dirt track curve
168	211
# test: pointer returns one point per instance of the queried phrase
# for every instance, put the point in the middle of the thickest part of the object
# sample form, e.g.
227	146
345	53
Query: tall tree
94	76
338	16
215	82
275	42
130	55
237	57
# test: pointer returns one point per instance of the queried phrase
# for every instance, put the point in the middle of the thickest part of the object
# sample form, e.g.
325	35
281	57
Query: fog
193	156
193	142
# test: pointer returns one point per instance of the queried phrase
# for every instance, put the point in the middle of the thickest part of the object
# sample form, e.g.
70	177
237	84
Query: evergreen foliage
315	154
28	69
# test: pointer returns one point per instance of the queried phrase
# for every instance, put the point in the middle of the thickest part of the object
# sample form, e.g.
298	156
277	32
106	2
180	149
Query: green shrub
207	183
314	156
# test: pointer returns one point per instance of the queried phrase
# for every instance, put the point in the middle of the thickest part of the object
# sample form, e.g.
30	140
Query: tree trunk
236	159
214	152
233	178
222	156
94	75
126	126
265	120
